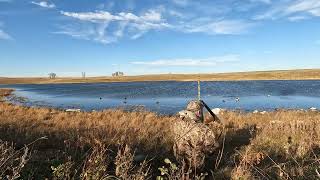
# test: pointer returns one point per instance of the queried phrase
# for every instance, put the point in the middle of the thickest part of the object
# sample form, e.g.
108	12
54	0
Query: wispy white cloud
315	12
213	27
86	32
181	2
212	61
44	4
108	5
134	25
210	19
175	13
309	6
205	8
105	16
262	1
297	18
266	15
4	35
187	16
293	10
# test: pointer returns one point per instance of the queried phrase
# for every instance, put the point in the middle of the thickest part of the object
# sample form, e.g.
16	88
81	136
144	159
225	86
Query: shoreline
302	74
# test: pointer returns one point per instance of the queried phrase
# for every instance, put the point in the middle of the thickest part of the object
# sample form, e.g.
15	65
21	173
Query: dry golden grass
5	92
86	145
237	76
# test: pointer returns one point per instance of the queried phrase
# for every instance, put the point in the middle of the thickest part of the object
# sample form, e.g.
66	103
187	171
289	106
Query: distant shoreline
301	74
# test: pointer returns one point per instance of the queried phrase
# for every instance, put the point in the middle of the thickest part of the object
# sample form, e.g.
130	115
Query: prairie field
39	143
299	74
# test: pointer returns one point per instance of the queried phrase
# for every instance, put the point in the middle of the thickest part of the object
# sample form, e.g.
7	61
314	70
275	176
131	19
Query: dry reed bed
284	145
276	145
109	126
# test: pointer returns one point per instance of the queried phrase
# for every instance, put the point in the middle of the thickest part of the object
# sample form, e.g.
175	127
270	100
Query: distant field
304	74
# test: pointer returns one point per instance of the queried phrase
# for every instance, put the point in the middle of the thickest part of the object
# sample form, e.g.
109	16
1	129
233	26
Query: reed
138	145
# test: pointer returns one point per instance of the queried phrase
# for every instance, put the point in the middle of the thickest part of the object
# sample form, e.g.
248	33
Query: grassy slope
259	75
274	145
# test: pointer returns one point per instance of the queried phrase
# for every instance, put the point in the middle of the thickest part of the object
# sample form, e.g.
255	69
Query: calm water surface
170	97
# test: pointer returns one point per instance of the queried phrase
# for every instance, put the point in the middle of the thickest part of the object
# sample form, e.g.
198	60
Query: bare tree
52	75
117	74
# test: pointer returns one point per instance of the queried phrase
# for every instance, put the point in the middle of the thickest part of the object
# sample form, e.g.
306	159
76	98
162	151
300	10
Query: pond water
168	97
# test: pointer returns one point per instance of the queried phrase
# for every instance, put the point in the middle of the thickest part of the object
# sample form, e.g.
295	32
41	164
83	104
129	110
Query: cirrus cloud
212	27
211	61
44	4
134	25
103	16
4	35
262	1
291	9
176	17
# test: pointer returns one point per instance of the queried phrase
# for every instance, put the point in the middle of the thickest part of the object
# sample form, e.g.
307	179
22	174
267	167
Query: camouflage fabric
196	108
188	114
193	141
194	105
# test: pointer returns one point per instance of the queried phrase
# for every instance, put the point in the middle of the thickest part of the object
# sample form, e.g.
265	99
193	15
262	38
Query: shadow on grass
59	147
222	161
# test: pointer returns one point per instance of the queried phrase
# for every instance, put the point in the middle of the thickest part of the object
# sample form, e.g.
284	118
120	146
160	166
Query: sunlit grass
281	144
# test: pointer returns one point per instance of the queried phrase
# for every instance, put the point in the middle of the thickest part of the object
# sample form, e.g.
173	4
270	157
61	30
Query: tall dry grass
5	92
138	145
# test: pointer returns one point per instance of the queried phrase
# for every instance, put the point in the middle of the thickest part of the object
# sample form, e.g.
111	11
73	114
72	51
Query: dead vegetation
114	144
5	92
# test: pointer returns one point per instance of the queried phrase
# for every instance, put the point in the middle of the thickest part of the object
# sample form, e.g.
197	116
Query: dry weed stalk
280	144
12	161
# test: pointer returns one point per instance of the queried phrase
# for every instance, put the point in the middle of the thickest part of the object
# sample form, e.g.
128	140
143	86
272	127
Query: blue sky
157	36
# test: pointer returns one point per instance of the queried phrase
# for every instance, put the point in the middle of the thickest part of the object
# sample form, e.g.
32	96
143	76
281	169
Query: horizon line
173	73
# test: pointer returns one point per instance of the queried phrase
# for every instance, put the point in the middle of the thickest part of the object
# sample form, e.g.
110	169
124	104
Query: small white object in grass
276	122
73	110
263	112
313	109
255	111
216	111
